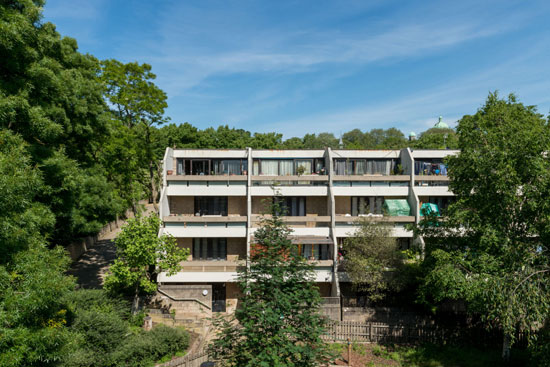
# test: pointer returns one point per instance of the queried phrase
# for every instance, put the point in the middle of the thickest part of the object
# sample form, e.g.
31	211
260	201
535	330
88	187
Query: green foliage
277	322
22	219
32	308
139	248
101	328
492	248
373	260
437	138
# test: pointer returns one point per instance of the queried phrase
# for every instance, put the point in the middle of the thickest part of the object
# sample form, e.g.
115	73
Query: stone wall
171	296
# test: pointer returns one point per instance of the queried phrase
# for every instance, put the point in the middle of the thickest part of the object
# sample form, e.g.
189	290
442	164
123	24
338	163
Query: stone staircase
195	322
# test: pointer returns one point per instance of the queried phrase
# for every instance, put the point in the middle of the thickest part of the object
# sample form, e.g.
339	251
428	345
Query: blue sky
300	67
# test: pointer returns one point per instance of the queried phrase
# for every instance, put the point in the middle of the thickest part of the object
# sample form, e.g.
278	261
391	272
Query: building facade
212	202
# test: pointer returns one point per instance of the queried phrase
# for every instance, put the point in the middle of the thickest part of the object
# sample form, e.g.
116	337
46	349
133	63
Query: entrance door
218	297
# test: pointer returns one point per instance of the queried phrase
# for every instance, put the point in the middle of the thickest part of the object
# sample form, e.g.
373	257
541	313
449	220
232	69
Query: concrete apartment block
212	202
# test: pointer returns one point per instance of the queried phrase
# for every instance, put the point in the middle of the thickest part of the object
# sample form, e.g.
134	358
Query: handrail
184	299
291	178
371	177
206	178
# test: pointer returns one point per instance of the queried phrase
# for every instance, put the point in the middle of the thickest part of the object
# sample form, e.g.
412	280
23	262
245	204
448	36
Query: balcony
305	185
205	226
212	266
309	225
427	185
198	185
346	225
371	185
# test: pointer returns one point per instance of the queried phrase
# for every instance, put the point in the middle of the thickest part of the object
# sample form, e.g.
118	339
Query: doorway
218	297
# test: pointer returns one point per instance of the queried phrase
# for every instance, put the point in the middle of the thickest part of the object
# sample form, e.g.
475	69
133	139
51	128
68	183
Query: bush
102	332
98	300
145	348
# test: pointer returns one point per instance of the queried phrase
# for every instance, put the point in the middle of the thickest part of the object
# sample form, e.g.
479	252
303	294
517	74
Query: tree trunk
506	347
135	303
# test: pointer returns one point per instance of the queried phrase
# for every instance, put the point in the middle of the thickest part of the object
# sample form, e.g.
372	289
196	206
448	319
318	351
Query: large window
362	205
353	166
204	167
209	249
211	205
315	252
288	167
294	206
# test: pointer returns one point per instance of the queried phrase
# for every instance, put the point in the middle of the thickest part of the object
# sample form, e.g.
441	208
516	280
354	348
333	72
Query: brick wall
182	205
258	204
232	295
236	249
236	205
316	205
342	205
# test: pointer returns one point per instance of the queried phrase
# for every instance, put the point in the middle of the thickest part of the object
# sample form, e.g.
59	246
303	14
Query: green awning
397	207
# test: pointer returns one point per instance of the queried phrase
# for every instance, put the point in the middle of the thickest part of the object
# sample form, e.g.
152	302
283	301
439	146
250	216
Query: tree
437	138
139	104
141	254
492	250
372	259
277	322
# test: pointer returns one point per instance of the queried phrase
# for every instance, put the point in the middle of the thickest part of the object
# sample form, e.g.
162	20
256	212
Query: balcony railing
304	180
202	178
374	218
212	265
308	221
204	219
391	178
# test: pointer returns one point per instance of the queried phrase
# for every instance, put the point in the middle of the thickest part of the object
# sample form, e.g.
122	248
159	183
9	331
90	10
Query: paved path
91	268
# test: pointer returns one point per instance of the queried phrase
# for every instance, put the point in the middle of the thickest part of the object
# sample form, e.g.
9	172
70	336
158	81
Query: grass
429	356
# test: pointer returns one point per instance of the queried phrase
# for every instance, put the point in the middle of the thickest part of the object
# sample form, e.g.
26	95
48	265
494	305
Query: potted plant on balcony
170	172
300	170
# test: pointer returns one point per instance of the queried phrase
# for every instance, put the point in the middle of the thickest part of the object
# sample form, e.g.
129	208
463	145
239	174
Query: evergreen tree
277	322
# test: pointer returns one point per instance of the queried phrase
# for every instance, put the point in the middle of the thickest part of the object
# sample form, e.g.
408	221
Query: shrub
144	348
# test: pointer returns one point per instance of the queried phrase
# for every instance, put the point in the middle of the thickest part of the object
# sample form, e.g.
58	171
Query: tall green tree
492	250
51	96
277	322
138	104
141	254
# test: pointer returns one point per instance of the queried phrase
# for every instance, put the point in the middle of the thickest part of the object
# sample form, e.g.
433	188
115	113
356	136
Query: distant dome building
412	136
440	124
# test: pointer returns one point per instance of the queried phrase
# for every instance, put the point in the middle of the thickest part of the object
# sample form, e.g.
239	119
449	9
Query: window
288	167
366	205
204	167
211	205
355	166
315	252
293	206
209	249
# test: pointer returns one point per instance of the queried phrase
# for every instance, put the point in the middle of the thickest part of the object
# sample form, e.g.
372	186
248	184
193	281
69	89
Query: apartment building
212	201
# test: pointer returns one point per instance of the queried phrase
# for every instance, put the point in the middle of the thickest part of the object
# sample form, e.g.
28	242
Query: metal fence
190	360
